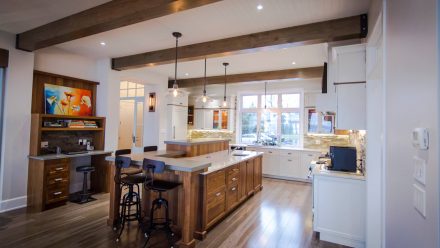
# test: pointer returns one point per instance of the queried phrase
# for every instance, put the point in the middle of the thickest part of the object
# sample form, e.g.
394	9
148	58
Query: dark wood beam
334	30
105	17
4	57
301	73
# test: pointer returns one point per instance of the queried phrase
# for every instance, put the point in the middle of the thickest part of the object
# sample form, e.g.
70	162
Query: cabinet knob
57	193
218	194
234	179
233	189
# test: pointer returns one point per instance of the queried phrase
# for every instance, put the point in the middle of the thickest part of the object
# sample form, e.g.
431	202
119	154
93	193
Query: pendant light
204	86
265	95
225	103
177	35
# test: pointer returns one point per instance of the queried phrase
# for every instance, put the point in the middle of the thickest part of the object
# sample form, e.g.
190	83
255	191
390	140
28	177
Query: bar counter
186	202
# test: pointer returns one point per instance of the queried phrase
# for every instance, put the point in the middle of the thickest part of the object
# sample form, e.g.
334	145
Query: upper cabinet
346	94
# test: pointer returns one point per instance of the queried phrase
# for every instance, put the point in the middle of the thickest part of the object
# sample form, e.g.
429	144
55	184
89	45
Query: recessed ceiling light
102	43
259	7
187	74
293	63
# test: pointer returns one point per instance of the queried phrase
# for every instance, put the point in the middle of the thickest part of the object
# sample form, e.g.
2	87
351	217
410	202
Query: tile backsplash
199	133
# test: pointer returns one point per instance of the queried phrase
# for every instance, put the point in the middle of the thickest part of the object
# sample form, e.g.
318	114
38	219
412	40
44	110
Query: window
129	89
274	119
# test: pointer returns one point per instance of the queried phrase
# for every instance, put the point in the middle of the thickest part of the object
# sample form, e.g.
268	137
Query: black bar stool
159	186
84	196
132	197
130	170
150	148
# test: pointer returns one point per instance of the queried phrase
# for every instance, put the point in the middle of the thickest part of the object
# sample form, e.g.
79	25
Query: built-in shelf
49	129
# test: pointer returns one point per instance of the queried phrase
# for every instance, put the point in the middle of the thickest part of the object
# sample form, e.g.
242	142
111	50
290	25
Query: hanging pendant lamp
265	95
177	35
204	98
225	103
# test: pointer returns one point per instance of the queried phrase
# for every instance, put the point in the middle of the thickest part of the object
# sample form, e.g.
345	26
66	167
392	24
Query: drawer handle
233	189
309	155
58	179
289	153
234	179
57	193
290	160
270	152
218	194
59	168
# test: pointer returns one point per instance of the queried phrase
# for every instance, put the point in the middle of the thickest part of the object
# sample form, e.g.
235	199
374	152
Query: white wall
412	93
16	125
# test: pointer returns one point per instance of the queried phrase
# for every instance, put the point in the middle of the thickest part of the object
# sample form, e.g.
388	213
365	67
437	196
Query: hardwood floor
279	216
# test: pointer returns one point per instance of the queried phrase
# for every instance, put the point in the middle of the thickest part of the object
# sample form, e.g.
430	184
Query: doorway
131	116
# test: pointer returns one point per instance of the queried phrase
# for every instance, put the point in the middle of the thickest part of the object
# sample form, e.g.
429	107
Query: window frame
279	110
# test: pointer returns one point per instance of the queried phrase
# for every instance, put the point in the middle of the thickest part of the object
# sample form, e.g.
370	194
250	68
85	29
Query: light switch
420	199
420	170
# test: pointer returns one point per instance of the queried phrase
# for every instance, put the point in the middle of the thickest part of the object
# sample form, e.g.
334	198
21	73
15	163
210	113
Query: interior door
126	124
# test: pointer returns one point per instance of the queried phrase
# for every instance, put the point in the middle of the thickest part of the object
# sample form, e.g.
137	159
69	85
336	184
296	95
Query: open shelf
49	129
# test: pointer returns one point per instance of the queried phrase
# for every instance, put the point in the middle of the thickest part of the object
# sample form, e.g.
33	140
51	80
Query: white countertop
321	170
212	161
278	147
187	142
61	156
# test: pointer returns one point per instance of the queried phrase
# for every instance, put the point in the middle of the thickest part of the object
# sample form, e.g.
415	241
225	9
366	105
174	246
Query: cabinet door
351	106
199	119
349	63
249	177
271	162
257	173
306	159
180	125
208	119
243	180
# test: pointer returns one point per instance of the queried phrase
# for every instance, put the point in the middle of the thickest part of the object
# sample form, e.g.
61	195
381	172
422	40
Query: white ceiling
17	16
223	19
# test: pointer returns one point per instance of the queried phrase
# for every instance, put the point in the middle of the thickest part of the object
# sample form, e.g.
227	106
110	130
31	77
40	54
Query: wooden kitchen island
213	185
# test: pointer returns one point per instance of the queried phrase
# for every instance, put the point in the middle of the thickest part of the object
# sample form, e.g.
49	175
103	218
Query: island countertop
212	161
190	142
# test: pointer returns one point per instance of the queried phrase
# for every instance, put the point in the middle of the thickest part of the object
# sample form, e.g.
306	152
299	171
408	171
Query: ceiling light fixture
102	43
293	63
204	86
175	85
225	103
259	7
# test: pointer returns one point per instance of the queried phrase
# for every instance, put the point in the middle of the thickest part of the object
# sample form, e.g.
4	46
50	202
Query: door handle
174	132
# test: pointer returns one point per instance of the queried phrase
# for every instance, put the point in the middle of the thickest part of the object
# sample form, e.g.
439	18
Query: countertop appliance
343	158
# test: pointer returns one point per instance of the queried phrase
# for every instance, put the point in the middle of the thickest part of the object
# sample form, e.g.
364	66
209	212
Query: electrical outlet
44	144
420	199
420	170
80	141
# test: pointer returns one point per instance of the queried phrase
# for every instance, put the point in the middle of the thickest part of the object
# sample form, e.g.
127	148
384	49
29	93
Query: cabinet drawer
57	178
216	205
269	151
233	178
233	169
215	181
57	194
290	153
56	169
232	196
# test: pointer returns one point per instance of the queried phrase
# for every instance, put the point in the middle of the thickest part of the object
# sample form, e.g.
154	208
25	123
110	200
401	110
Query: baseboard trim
14	203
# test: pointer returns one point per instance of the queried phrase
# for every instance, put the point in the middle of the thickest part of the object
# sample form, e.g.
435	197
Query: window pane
268	128
290	128
249	128
140	92
290	100
123	93
131	92
327	123
131	85
313	121
215	119
124	85
224	119
271	102
250	101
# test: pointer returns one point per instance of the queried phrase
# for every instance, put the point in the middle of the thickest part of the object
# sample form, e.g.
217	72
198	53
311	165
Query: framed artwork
62	100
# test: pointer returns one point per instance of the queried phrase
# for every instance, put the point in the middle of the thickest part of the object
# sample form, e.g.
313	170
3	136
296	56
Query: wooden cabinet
223	190
48	183
339	210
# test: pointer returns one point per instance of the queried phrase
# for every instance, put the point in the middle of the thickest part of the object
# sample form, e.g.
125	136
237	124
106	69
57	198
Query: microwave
343	158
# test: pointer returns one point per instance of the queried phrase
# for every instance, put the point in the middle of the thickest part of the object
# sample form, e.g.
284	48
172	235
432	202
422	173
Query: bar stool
132	197
84	196
159	186
127	171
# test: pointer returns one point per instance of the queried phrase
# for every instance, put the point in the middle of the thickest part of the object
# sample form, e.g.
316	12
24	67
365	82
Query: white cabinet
177	116
351	106
271	162
339	210
306	158
348	63
290	164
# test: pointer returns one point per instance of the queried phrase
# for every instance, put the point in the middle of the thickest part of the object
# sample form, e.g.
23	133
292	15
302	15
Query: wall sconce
152	102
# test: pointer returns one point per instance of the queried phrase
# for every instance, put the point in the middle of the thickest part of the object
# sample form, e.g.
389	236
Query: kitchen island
213	185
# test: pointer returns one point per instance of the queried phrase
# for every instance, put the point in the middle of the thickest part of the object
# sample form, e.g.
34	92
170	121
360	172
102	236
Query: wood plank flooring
279	216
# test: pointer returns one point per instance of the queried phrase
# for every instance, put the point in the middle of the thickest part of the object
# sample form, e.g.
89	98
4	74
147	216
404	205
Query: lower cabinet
223	190
48	183
339	209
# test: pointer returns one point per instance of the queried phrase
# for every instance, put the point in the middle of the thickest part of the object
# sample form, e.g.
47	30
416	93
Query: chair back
150	148
122	152
152	166
121	162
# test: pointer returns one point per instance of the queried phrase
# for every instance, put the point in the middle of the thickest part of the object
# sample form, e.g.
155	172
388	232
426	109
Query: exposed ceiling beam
105	17
301	73
333	30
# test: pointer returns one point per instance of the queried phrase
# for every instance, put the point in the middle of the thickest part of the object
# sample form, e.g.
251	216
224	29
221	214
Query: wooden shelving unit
37	130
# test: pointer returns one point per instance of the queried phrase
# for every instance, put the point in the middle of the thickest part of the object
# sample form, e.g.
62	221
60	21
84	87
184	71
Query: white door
131	124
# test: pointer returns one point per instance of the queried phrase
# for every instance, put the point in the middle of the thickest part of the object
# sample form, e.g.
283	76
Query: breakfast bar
213	183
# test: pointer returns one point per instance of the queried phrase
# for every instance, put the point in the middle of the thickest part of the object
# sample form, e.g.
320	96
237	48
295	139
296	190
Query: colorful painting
61	100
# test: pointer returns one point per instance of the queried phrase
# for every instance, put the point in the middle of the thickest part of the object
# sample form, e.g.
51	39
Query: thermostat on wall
420	138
